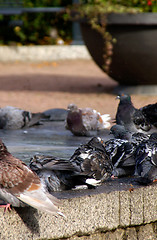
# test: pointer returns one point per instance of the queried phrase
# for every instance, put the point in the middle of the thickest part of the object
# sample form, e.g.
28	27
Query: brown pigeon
85	121
19	185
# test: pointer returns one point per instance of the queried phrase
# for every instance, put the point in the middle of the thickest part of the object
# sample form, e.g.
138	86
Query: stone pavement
43	85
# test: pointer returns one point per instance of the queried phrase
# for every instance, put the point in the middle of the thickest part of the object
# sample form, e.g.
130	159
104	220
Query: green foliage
124	5
36	28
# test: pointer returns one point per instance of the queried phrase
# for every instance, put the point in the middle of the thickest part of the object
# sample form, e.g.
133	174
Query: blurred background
34	26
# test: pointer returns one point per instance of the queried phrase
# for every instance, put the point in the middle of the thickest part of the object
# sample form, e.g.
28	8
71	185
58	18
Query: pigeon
57	174
85	121
150	112
55	114
104	160
121	154
90	158
136	120
20	186
15	118
120	132
146	160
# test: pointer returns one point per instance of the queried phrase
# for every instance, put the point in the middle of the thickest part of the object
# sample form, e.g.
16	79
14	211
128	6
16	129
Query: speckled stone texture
96	212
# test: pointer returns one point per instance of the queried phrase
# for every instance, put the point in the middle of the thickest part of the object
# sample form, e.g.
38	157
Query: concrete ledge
42	53
100	212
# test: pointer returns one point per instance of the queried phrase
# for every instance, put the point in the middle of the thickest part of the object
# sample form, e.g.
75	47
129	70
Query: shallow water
50	138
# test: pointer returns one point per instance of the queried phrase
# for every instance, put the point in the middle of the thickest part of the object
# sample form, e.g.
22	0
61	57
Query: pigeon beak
118	97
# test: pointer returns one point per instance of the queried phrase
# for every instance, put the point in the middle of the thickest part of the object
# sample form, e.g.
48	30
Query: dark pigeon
121	153
85	121
146	160
124	150
101	160
90	158
150	112
133	119
57	174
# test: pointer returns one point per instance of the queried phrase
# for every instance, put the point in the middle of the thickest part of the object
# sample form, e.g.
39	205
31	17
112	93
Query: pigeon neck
126	101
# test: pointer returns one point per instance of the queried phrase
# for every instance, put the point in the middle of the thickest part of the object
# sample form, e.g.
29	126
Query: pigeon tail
106	118
40	200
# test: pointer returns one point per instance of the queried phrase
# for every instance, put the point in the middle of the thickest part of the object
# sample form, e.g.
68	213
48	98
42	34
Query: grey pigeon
136	120
120	132
85	121
19	185
15	118
57	174
146	160
55	114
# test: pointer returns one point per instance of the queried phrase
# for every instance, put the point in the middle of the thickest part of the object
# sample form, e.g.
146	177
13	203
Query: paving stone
136	207
116	235
125	213
146	232
150	203
131	233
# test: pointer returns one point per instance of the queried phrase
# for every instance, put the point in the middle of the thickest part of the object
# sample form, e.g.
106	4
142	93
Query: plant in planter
113	29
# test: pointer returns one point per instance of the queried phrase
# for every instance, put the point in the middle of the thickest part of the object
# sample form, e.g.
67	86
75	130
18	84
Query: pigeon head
3	148
35	164
96	143
120	132
124	97
26	117
73	107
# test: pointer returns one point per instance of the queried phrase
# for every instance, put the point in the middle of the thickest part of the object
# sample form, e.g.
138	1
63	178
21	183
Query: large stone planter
134	59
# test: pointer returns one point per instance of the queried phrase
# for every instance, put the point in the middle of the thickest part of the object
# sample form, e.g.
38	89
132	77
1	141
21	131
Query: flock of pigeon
132	151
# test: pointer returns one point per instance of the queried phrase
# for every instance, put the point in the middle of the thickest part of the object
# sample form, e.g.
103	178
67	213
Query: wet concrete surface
49	138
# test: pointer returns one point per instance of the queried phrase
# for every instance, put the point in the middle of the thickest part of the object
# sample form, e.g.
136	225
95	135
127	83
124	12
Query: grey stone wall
112	211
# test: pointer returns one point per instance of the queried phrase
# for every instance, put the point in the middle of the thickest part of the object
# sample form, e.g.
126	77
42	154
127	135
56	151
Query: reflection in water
50	138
